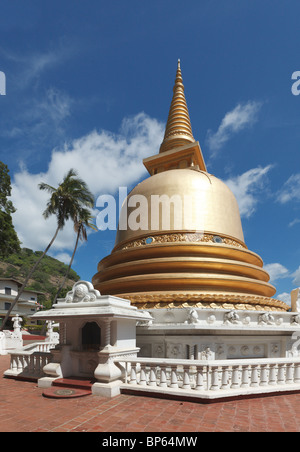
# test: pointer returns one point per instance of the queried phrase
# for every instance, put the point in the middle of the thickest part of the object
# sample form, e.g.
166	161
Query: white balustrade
29	361
214	378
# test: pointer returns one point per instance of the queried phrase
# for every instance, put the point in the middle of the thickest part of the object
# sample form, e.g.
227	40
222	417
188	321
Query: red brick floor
24	409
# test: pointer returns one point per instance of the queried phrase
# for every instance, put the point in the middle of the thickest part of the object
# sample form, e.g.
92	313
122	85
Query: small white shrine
95	331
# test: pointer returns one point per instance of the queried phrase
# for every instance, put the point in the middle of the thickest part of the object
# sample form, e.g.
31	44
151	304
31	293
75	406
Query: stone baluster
215	379
281	376
245	377
174	381
254	376
127	364
200	378
19	363
263	375
143	380
152	379
272	375
14	363
225	378
235	377
133	380
186	378
31	364
26	361
289	373
163	377
297	373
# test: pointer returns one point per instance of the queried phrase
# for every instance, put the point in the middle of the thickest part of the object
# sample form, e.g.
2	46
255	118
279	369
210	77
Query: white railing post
163	377
19	363
245	377
281	376
254	376
225	378
263	375
152	379
186	378
143	380
297	373
289	373
13	363
174	381
272	375
199	378
215	379
235	377
127	364
31	364
133	374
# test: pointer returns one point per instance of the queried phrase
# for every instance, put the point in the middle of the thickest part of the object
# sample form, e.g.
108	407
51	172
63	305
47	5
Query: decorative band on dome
184	237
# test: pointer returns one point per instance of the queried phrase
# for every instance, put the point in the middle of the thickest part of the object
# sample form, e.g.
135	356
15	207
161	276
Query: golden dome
180	241
183	200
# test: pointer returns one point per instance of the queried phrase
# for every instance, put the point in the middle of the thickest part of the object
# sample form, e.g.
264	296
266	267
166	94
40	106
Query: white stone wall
10	284
219	334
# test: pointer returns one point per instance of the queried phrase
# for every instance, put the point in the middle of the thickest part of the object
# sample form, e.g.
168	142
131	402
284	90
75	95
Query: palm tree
66	202
80	223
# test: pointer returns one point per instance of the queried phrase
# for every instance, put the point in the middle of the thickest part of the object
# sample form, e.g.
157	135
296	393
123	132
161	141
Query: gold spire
178	130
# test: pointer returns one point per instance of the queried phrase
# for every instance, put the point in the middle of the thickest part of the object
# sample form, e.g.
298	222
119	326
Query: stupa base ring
205	301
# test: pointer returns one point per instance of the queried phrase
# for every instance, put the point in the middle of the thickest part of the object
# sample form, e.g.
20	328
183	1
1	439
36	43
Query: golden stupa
205	264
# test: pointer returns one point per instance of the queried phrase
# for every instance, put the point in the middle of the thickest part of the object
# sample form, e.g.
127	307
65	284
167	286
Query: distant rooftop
20	284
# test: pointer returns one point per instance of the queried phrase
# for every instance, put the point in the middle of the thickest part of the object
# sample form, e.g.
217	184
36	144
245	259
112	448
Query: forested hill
47	277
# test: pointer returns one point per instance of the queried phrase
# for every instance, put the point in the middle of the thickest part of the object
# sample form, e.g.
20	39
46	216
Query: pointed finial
178	129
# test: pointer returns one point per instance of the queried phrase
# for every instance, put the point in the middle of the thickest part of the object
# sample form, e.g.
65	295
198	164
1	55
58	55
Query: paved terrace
24	409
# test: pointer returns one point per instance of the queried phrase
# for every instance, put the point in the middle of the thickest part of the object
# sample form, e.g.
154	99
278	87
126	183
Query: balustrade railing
29	361
212	379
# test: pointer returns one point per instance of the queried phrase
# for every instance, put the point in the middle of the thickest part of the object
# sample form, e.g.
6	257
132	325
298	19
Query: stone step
75	382
69	388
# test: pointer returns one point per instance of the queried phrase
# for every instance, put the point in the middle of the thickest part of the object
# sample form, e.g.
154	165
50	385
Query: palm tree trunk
70	264
27	279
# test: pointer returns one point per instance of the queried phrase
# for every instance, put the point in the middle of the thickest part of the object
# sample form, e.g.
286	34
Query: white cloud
296	276
104	160
247	188
292	223
63	257
285	297
290	190
32	65
243	115
55	105
36	64
276	271
33	123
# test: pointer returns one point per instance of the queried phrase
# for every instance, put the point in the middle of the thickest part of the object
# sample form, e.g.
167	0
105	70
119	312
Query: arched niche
91	336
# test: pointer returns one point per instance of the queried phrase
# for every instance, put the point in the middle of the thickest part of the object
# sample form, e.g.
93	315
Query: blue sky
89	85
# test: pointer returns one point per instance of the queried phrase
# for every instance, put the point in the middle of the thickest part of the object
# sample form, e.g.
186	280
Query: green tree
81	222
9	242
66	202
